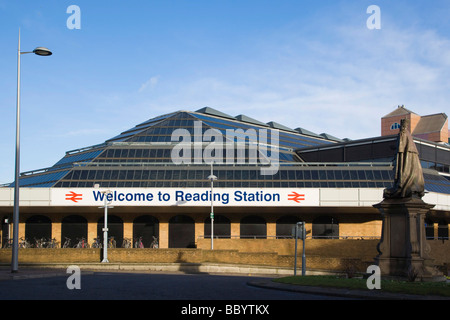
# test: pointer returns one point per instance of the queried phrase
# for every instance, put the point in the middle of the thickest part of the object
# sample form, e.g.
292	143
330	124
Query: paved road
177	296
138	286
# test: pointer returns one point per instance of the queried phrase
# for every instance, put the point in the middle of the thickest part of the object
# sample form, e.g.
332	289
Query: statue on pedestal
403	249
409	180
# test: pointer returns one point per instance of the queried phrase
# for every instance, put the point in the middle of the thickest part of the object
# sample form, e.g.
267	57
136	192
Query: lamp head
42	51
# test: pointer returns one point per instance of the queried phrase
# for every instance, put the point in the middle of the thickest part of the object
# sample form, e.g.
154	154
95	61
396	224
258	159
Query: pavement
52	270
30	273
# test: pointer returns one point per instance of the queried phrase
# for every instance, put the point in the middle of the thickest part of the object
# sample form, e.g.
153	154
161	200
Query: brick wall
349	248
335	255
386	123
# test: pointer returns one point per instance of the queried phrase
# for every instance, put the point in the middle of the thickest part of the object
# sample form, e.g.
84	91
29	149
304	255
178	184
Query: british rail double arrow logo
294	196
75	197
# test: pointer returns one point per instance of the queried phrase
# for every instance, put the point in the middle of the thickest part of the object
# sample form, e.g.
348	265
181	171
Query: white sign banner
185	197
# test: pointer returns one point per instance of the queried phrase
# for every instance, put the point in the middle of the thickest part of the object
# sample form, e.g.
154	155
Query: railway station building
155	179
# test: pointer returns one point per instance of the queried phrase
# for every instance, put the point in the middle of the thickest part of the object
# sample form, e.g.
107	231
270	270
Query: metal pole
212	209
105	233
295	260
303	253
15	248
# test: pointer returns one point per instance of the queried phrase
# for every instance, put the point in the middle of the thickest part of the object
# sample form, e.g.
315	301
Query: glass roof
169	175
436	183
41	180
141	157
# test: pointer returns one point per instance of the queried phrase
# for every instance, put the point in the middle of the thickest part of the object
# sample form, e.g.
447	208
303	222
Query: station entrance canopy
201	197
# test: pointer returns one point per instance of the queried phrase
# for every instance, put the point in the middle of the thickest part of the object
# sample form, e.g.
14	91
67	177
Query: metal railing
343	237
281	164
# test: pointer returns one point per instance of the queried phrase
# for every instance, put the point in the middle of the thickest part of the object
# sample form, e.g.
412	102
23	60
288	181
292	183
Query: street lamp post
40	51
212	178
105	228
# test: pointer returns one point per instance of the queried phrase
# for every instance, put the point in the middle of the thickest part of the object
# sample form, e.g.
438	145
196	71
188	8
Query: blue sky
310	64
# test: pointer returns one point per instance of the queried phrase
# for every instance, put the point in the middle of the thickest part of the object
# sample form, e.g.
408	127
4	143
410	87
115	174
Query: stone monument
403	250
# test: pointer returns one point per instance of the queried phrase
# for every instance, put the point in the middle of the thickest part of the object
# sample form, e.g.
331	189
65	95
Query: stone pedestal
403	250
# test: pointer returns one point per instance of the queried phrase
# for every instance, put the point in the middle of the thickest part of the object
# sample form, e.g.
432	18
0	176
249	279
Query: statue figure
409	180
403	249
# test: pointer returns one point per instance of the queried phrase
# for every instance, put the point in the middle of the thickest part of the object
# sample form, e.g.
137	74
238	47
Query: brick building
432	127
268	178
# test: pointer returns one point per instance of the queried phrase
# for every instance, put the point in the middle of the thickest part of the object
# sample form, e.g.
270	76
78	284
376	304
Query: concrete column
235	228
92	231
21	231
271	229
128	230
56	228
199	226
163	234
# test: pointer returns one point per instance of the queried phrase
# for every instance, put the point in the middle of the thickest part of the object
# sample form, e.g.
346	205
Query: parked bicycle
8	243
138	243
97	243
52	243
67	243
111	242
23	243
126	243
82	243
154	244
39	243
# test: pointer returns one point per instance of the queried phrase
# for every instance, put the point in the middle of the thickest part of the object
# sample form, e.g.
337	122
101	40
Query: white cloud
342	87
340	80
149	84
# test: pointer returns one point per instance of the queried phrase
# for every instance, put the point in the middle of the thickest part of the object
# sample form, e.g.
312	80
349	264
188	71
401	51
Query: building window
181	232
222	227
37	229
253	227
72	228
284	226
115	229
145	228
443	230
395	126
325	228
429	229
